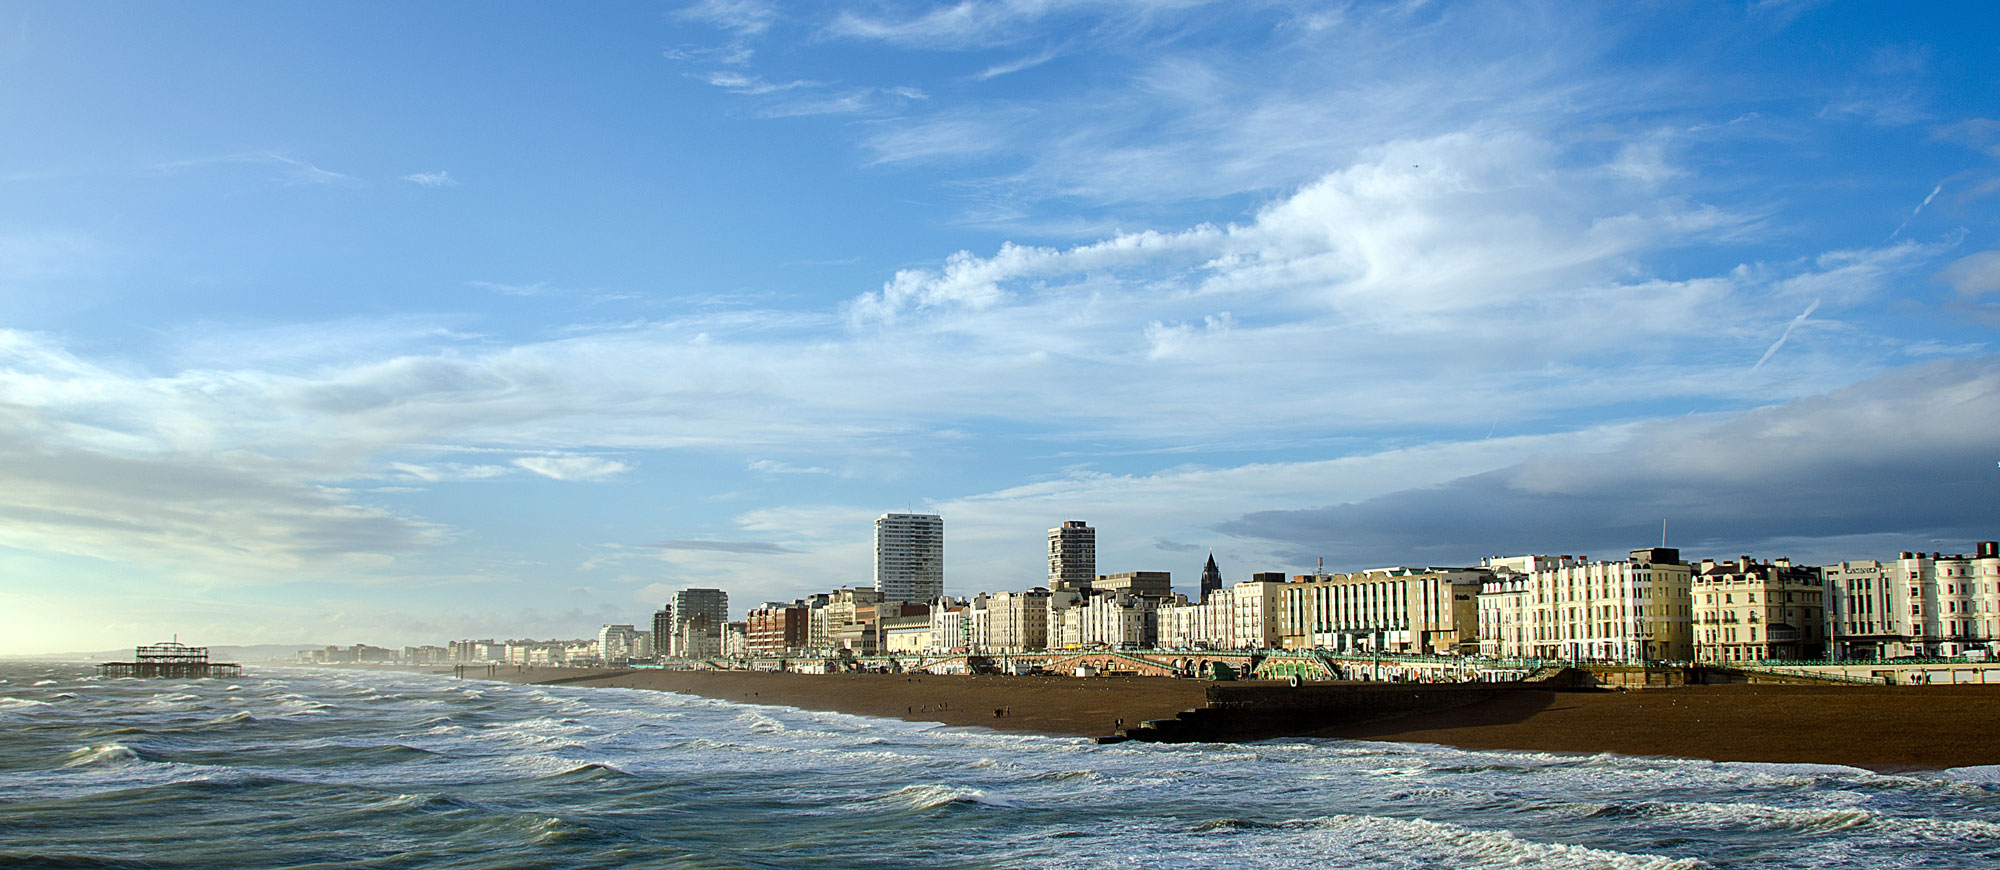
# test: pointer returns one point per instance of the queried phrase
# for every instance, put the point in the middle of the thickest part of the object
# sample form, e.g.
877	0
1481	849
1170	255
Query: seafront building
1072	555
1639	609
1144	584
1243	616
1432	611
468	651
909	557
663	629
1749	611
839	624
735	640
1113	620
1651	606
775	629
1017	621
1926	605
1207	624
615	643
951	626
548	653
697	616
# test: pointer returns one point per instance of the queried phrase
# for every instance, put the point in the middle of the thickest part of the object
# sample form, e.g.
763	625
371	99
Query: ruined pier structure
170	660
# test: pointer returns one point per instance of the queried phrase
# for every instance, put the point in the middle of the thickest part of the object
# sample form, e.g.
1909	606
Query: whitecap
102	755
928	797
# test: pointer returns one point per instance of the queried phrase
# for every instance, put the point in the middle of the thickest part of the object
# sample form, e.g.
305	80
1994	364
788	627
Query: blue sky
396	323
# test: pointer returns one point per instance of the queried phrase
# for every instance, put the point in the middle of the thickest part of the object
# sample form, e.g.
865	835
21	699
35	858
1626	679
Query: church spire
1211	577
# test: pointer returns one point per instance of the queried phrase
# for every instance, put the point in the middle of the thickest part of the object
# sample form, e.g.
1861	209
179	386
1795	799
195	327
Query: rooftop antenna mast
1663	532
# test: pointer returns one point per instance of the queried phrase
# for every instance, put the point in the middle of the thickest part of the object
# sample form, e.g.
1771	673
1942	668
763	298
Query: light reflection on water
289	767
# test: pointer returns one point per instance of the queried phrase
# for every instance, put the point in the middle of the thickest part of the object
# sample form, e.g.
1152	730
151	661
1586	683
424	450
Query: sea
305	767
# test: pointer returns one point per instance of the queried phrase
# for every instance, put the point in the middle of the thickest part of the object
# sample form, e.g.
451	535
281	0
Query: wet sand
1877	727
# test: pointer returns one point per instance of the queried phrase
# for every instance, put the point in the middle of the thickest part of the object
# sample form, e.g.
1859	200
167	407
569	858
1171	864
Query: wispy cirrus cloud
744	17
536	288
440	178
441	472
1025	62
290	171
748	548
739	83
802	97
971	23
772	466
572	467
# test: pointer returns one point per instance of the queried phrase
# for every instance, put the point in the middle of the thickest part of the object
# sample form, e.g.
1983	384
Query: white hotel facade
1559	607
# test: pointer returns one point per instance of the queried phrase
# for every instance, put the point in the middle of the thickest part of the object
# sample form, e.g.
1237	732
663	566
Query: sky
399	323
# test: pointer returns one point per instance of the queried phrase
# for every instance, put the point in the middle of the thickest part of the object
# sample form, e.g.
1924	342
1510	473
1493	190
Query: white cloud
745	17
1018	64
1974	276
442	472
537	288
772	466
440	178
1796	321
746	84
572	467
292	171
970	23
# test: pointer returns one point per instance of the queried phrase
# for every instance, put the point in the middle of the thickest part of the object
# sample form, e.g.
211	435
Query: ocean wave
1233	824
930	797
1421	842
103	755
1068	776
552	830
593	771
43	683
1737	815
426	802
21	703
1944	830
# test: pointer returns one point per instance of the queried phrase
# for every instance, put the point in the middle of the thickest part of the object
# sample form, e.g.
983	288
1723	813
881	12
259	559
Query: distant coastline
1883	728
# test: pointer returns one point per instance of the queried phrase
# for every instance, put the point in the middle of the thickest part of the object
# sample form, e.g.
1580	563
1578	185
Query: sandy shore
1877	727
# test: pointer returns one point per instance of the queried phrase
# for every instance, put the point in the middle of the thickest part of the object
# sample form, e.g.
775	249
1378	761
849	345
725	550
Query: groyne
1237	711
